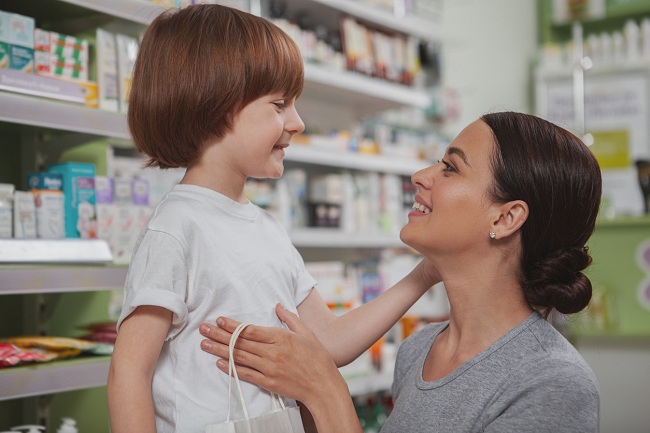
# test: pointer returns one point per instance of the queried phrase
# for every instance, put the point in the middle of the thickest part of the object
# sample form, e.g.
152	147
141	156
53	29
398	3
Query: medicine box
61	45
79	192
106	211
16	42
50	204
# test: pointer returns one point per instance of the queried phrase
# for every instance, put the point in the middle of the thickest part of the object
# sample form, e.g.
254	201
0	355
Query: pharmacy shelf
49	113
354	161
427	29
366	94
91	372
143	12
28	279
369	384
336	238
139	11
54	377
51	251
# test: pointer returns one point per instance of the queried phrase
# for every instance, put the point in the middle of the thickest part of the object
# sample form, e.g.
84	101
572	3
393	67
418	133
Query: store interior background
489	51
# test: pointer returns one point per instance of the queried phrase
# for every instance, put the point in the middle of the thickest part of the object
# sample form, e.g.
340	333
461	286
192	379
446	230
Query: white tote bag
281	420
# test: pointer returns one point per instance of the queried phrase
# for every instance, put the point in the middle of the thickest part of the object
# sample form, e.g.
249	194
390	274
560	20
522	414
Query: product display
114	202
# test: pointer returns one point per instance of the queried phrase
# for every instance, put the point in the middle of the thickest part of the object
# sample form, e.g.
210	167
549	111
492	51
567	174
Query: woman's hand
289	362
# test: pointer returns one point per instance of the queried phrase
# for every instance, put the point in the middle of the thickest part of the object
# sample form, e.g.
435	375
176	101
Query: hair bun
557	281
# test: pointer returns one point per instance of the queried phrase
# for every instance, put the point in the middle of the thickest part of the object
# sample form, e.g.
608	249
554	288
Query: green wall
617	275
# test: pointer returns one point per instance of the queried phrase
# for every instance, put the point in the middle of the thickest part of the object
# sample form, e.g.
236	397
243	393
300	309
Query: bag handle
232	370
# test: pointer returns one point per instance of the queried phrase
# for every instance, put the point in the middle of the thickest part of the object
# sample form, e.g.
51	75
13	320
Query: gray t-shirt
530	380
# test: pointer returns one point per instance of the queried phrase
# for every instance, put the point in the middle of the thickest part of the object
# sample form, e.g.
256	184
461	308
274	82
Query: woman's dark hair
556	174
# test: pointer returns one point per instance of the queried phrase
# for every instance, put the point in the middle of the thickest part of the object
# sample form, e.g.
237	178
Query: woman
504	218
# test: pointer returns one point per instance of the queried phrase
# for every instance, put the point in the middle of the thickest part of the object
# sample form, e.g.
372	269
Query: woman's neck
486	301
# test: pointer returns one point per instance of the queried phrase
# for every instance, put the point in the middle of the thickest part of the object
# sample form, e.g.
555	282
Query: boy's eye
280	105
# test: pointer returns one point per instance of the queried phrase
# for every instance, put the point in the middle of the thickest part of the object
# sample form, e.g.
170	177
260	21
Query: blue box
45	181
79	191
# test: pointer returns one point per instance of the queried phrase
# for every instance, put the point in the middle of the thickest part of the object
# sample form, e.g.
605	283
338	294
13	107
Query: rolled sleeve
158	276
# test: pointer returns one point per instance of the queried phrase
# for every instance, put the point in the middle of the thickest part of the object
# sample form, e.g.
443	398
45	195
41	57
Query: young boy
214	91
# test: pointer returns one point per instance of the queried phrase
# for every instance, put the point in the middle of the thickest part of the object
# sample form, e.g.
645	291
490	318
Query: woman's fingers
215	333
219	340
292	320
245	373
251	332
290	362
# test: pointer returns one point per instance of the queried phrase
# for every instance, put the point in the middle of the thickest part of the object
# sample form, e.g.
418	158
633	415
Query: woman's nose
422	178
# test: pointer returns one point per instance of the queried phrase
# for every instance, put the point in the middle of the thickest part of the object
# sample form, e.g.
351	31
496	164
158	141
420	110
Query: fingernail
283	307
204	329
221	322
222	364
206	345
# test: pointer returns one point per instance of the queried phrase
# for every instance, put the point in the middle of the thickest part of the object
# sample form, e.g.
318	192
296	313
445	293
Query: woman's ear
509	218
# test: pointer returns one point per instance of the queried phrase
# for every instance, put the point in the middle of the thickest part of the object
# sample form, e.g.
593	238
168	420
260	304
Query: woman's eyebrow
458	151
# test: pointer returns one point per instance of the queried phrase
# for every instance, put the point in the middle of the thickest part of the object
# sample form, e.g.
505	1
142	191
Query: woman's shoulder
422	339
555	358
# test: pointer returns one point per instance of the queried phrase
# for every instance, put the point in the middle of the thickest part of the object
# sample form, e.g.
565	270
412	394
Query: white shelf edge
368	86
412	25
55	377
92	372
61	279
55	114
50	113
138	11
336	238
620	68
375	382
50	251
144	12
354	161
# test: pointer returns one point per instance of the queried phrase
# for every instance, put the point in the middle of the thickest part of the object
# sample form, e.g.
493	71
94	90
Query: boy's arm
138	345
348	336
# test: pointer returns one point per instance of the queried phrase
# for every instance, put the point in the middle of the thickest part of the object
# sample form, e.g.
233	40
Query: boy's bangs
276	68
290	71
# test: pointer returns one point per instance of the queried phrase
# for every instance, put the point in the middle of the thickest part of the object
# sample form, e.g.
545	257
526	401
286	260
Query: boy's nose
295	125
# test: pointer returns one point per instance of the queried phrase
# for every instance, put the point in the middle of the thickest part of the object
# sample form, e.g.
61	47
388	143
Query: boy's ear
509	217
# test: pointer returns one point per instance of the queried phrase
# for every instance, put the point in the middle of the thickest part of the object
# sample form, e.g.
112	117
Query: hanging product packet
281	420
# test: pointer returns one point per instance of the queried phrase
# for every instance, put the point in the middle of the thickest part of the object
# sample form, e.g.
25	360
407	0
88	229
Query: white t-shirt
201	256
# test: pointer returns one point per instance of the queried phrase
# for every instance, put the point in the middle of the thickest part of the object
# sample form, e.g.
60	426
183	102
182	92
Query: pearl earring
493	235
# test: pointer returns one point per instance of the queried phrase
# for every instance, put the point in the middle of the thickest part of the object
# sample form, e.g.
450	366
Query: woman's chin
404	237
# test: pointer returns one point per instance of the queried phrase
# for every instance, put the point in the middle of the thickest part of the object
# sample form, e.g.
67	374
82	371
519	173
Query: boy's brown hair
196	69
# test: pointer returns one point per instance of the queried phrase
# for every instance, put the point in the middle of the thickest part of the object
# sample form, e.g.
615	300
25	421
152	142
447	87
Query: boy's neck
217	180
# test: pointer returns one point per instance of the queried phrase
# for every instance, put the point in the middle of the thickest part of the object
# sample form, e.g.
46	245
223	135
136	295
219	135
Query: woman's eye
448	166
